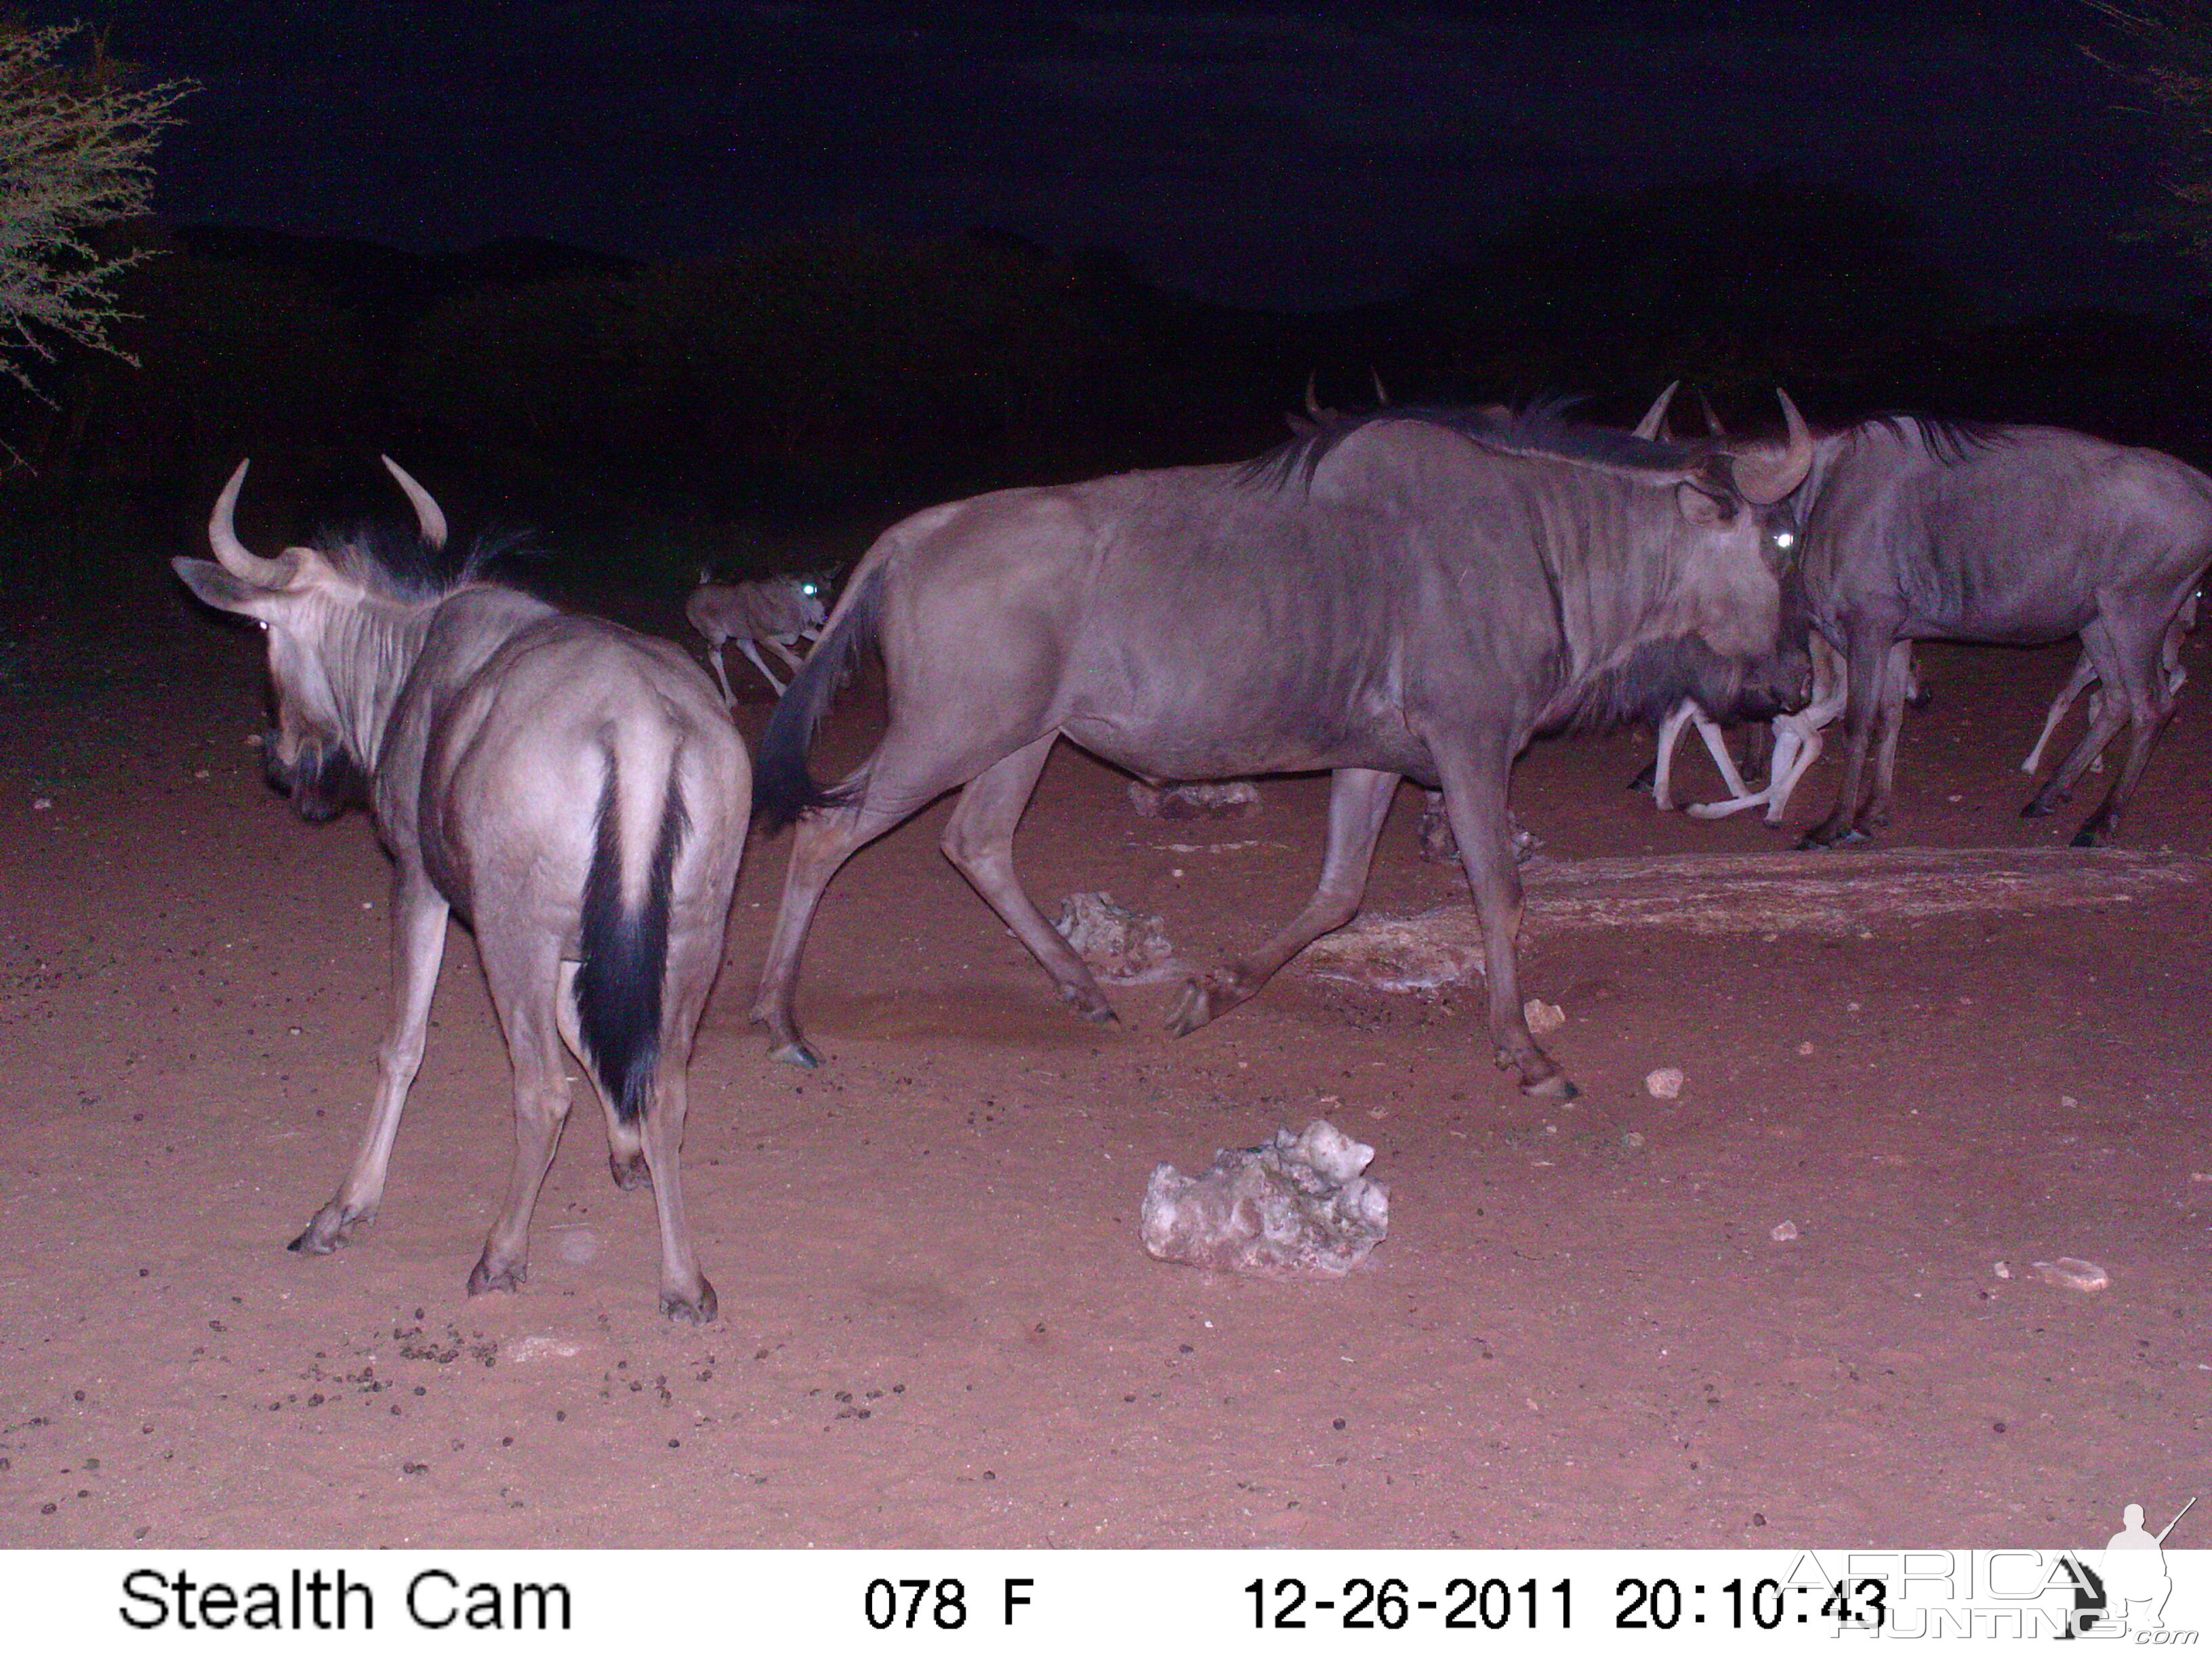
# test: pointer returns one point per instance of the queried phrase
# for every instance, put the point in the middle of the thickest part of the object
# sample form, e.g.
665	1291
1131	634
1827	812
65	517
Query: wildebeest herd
1413	592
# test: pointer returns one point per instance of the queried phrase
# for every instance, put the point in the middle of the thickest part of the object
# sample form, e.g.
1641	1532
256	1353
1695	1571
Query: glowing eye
807	588
1784	538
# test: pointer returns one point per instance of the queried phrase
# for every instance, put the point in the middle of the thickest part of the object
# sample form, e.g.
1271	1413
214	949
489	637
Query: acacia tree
76	142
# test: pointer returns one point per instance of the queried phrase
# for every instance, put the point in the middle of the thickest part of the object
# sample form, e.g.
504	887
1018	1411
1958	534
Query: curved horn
231	553
1382	398
428	515
1713	427
1313	400
1648	428
1764	477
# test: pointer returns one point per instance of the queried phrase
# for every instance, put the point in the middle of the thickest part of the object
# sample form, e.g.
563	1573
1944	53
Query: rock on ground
1297	1204
1119	943
1240	799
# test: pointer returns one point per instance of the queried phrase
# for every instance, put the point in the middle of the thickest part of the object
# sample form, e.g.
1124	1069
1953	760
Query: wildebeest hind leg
1474	779
418	946
2148	704
524	979
625	1152
2107	716
1359	801
685	1293
979	839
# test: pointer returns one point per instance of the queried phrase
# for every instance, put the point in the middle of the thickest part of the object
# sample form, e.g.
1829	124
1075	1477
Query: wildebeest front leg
753	656
714	657
979	839
1474	782
780	644
418	946
823	843
1359	801
1866	667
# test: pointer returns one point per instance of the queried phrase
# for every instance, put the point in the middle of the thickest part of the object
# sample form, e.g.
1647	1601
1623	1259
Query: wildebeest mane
1541	428
395	560
1948	440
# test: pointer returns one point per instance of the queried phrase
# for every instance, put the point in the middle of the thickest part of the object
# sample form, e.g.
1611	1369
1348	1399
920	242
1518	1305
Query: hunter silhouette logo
2136	1582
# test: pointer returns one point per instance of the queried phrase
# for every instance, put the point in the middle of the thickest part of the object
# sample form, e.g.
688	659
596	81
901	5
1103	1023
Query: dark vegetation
777	408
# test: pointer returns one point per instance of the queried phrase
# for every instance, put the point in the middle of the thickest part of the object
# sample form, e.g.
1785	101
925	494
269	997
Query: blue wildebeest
776	613
1409	593
1914	529
570	789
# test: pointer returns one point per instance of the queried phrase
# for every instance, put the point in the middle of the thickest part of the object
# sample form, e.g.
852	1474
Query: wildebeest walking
569	788
776	613
1914	529
1410	593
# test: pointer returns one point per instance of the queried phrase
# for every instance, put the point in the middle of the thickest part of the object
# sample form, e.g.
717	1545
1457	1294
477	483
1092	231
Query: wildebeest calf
571	789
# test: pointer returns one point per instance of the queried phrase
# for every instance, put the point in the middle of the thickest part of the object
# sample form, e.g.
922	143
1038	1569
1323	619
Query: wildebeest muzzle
320	778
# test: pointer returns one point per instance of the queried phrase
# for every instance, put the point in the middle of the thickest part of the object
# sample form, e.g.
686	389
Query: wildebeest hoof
1092	1008
1554	1087
630	1171
482	1278
1647	780
2088	838
2038	808
1212	994
699	1310
1824	840
797	1053
330	1228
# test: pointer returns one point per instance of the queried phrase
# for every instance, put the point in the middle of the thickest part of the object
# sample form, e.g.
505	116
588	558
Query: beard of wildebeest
321	779
1659	674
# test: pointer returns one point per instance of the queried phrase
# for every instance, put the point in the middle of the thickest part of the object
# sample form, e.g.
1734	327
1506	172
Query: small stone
1665	1083
1784	1231
1634	1141
523	1350
2070	1272
253	740
1805	1048
2068	1102
1543	1017
2003	1269
44	803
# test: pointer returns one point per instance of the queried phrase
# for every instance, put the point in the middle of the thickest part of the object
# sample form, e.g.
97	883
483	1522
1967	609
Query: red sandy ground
937	1325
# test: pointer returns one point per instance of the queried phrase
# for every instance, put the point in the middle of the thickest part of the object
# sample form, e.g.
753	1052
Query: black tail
782	786
625	954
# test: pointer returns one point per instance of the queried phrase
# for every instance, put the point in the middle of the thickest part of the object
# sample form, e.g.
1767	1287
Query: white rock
1665	1083
2072	1273
1784	1232
523	1349
1543	1017
1297	1204
1119	943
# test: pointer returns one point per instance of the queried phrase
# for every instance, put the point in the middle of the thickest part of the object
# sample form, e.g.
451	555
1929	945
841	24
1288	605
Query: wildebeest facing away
1914	529
776	613
1411	593
569	788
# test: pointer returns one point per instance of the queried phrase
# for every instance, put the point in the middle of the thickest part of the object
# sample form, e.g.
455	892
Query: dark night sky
1264	154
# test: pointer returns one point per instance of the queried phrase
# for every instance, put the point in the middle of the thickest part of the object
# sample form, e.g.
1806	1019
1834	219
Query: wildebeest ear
214	585
1702	508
